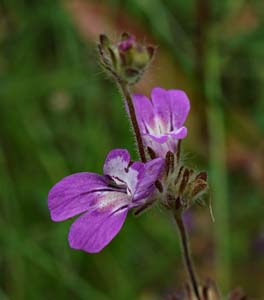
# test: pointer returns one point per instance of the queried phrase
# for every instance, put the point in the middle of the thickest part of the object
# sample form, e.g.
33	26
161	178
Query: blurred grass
218	167
60	115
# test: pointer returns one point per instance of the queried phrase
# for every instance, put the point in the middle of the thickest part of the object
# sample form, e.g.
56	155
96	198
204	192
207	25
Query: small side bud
186	184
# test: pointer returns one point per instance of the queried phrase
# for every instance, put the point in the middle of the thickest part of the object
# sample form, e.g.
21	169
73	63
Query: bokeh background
60	114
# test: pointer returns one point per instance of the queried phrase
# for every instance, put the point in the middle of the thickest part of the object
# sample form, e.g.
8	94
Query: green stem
125	90
187	255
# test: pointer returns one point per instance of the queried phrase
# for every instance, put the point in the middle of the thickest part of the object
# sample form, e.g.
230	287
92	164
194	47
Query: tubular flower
103	201
161	119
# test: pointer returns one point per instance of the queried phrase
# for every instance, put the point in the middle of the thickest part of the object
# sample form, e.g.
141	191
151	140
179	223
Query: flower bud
208	291
183	186
125	60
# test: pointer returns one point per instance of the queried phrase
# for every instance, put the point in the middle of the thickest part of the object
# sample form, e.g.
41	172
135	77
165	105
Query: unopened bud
125	60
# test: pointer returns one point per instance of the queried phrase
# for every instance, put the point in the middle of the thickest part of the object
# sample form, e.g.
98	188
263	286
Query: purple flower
103	201
161	119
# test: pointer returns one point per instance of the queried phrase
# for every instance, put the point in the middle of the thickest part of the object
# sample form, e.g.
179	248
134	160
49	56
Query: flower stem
187	254
125	90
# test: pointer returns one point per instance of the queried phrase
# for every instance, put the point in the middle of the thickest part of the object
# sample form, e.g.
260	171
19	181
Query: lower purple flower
103	201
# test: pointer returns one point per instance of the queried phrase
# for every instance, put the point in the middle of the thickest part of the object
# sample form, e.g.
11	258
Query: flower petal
93	231
160	149
161	104
144	112
180	107
171	106
152	172
116	164
179	134
135	173
75	194
159	139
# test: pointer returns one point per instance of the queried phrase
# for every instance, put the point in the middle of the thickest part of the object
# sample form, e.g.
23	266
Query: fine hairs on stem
125	90
187	255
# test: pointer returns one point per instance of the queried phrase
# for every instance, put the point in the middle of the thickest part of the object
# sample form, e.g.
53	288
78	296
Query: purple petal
116	164
127	43
135	173
180	107
75	194
161	104
93	231
160	148
154	145
144	112
159	139
152	172
180	134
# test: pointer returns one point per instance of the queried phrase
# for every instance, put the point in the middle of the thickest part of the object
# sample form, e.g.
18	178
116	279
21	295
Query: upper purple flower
103	200
161	119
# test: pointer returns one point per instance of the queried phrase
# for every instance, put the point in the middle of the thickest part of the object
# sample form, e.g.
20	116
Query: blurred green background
59	114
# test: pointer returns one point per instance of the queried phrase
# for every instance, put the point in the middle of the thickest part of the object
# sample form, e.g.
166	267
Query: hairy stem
125	90
187	255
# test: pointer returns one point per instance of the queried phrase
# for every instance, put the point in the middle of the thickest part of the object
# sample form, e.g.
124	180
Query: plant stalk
187	255
125	90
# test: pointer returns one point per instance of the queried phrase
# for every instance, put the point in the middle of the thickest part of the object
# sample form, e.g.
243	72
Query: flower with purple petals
161	119
103	201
